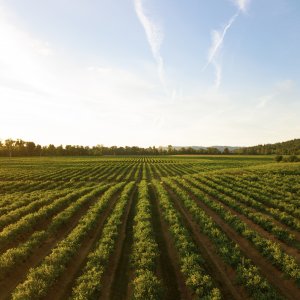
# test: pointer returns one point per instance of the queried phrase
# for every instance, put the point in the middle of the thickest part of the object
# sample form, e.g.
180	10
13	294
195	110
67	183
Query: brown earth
223	274
63	285
285	287
116	278
19	273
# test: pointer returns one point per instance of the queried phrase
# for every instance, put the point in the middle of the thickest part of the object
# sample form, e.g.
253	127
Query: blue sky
149	72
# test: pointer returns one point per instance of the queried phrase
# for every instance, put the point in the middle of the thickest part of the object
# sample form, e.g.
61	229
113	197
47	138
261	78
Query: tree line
291	147
13	148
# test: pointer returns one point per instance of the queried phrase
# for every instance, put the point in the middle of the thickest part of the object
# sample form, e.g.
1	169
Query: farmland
164	227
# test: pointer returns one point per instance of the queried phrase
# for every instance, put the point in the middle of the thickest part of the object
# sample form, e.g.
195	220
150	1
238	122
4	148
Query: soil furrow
116	278
223	274
62	288
286	287
166	267
16	276
288	249
169	270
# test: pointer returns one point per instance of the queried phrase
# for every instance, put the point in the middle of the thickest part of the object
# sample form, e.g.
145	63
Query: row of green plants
190	260
232	199
11	258
19	210
247	274
269	249
126	170
150	171
131	172
88	284
27	223
283	217
137	172
41	278
114	171
26	186
258	195
144	172
13	201
145	252
273	185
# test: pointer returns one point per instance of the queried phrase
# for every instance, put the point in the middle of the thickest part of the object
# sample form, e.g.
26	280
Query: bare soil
116	278
223	274
169	269
62	288
173	283
17	275
285	287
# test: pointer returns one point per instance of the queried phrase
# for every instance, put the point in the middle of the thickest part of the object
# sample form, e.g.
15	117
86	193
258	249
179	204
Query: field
168	227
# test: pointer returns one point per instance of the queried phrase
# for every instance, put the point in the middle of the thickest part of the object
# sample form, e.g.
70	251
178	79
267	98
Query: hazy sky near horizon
150	72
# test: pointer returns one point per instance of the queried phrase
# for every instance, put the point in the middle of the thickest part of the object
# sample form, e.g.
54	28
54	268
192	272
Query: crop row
271	250
220	192
247	274
252	203
13	256
88	284
41	278
27	223
190	260
258	195
146	285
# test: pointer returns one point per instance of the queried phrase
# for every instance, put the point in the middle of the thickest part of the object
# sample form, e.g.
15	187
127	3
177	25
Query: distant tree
226	151
170	149
9	146
213	150
38	150
30	148
278	158
291	158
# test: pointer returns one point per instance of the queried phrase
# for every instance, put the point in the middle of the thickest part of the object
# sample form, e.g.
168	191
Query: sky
150	72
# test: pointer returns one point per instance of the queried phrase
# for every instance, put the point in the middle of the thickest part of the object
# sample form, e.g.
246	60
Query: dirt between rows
223	274
285	287
41	224
168	266
287	248
18	274
116	278
275	221
63	285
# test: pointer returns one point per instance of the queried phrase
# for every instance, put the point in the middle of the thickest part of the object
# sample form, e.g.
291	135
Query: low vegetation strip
247	274
271	250
97	227
40	279
146	284
88	284
191	262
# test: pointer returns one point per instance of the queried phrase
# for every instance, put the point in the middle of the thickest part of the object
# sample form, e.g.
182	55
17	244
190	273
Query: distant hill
220	148
284	148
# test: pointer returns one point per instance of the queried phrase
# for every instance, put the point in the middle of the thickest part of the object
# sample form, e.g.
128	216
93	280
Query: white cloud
218	37
46	96
285	85
154	36
242	5
280	89
217	43
218	71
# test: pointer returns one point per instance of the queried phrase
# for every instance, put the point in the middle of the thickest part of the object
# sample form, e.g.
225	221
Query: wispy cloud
154	36
218	37
241	4
282	88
